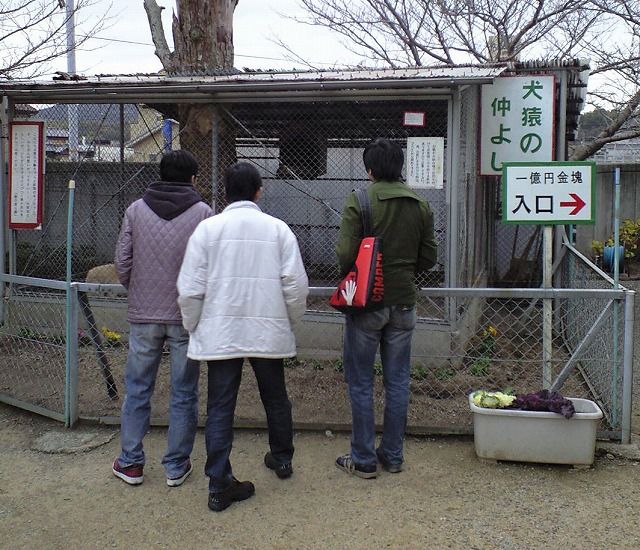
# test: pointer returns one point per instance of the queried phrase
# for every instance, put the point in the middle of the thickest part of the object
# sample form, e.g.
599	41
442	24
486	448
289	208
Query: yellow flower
112	336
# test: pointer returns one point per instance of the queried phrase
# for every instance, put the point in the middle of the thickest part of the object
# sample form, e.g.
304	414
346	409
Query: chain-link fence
498	344
33	347
310	157
604	346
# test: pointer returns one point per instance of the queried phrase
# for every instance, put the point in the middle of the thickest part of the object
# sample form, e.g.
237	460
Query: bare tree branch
611	133
456	32
154	16
33	33
291	55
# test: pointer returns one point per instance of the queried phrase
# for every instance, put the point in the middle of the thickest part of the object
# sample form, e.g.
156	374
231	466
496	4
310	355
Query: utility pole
72	112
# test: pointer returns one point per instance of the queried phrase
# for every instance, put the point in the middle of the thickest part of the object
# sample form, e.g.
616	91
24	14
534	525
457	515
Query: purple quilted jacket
151	246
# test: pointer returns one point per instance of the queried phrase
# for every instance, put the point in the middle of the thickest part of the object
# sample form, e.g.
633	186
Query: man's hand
349	291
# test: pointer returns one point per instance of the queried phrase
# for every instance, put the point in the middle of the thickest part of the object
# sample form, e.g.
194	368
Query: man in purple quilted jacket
149	252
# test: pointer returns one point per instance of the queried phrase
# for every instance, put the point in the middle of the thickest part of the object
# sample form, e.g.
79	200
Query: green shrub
444	373
480	366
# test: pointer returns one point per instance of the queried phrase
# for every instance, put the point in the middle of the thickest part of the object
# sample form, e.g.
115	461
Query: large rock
102	274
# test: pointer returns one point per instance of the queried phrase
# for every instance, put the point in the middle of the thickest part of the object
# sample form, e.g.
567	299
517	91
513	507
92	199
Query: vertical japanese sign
517	122
425	161
549	192
26	174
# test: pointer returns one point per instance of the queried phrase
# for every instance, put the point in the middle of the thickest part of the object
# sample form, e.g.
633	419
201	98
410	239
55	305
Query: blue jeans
391	328
224	381
146	341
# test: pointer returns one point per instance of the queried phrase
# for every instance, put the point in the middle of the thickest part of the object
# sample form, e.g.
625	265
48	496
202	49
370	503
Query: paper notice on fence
425	161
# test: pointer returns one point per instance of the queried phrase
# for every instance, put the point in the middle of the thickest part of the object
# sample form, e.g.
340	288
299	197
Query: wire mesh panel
32	348
309	154
310	158
602	360
500	343
118	147
498	346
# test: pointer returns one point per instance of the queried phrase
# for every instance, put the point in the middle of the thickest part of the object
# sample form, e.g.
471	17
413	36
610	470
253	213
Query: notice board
26	174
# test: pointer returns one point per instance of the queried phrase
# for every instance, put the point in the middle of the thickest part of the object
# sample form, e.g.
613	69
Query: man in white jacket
242	288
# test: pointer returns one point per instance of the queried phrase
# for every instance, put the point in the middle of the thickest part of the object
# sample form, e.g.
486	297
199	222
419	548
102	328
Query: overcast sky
256	24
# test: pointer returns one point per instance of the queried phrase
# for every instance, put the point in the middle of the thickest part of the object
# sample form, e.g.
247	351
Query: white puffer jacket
242	286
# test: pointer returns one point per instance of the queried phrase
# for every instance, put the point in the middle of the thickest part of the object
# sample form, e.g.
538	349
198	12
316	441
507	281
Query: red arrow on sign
578	204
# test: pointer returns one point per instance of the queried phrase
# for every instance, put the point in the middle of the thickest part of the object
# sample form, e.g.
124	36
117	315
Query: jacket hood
170	199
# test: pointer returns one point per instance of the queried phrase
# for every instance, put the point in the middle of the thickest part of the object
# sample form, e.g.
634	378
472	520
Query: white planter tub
532	436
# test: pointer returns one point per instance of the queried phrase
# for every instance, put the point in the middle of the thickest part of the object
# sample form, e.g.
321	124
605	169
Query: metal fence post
3	201
547	305
71	355
453	135
616	305
215	160
11	233
627	372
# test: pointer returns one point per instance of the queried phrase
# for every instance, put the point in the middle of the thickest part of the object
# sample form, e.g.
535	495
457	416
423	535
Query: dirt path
446	498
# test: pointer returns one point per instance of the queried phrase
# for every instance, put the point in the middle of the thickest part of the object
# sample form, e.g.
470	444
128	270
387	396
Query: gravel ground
446	497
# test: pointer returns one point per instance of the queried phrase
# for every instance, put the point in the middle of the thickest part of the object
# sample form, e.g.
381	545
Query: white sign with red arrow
548	192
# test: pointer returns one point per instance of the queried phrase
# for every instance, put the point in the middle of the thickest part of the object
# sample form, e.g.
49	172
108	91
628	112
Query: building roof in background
25	110
106	113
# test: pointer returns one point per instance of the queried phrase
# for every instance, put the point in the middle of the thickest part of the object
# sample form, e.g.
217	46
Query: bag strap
365	209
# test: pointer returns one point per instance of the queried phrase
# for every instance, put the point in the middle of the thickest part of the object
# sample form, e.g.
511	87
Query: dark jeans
224	381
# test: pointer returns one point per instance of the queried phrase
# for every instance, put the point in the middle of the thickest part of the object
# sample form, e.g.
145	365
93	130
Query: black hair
384	158
241	182
179	165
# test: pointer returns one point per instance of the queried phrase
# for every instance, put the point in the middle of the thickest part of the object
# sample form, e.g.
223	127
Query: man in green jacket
404	222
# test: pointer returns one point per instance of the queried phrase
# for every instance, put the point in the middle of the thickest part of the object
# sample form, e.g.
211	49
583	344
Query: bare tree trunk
203	35
203	39
198	123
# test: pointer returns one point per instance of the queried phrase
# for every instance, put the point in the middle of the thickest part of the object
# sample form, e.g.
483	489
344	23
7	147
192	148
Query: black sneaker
388	466
348	465
282	469
238	490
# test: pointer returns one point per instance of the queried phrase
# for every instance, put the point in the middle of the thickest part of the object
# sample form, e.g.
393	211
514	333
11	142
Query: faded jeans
392	329
224	381
146	342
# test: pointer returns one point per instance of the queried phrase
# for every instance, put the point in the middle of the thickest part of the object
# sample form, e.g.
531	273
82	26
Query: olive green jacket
404	222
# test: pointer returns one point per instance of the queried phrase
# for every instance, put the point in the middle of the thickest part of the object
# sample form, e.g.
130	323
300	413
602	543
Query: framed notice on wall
26	174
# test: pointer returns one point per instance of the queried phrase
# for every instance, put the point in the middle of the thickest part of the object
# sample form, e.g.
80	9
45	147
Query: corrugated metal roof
452	73
119	87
